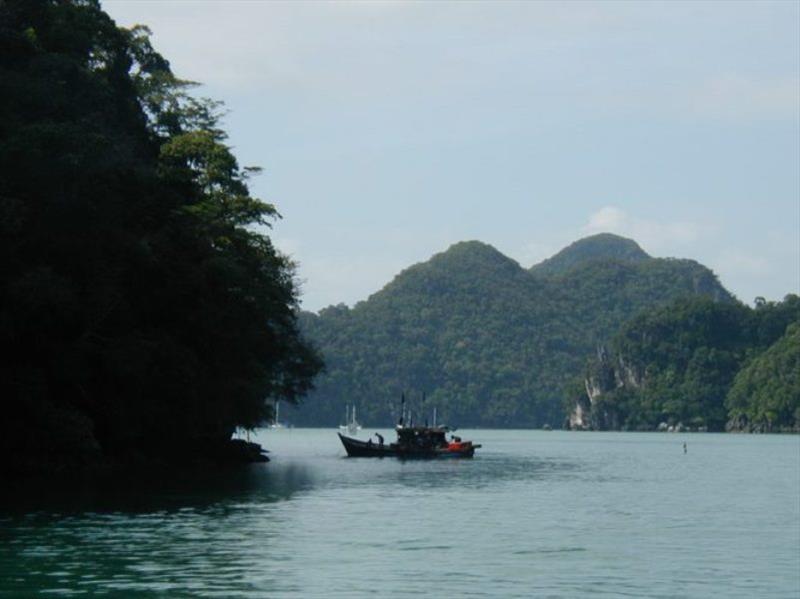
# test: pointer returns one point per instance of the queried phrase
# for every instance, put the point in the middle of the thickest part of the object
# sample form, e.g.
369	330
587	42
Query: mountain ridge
490	343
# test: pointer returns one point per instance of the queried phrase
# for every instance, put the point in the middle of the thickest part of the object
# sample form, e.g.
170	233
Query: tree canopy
765	395
595	247
139	295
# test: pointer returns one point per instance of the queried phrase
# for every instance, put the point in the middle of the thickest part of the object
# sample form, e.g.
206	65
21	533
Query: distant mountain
603	246
489	342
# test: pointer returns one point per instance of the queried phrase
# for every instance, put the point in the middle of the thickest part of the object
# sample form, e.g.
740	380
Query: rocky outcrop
596	409
741	424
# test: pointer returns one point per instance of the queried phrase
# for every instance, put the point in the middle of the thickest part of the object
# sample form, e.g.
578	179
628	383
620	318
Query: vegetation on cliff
138	299
602	246
489	342
765	394
699	363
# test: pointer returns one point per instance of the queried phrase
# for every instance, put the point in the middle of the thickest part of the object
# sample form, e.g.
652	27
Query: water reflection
481	473
158	490
149	533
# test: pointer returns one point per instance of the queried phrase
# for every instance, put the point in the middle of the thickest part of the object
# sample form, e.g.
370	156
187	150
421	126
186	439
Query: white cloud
656	235
608	218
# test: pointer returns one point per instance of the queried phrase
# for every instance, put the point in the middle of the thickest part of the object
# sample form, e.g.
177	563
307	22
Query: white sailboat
351	425
276	422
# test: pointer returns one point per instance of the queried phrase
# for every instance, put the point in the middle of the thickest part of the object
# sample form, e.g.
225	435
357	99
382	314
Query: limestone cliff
607	378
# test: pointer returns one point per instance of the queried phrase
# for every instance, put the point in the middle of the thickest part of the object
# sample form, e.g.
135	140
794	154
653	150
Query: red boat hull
366	449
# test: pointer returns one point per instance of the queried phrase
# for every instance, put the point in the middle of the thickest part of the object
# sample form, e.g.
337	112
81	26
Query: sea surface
534	514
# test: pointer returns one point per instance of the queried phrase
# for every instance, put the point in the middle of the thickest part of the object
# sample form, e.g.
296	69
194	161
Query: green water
535	514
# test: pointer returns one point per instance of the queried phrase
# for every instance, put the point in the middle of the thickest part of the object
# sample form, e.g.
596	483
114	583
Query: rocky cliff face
596	409
741	424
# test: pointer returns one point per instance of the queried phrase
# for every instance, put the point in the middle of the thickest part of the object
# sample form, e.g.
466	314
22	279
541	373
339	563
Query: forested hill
489	342
596	247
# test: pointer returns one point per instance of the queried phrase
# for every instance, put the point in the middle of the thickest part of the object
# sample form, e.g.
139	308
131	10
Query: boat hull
364	449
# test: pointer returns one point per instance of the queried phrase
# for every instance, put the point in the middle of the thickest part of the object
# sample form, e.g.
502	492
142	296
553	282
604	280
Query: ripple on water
533	515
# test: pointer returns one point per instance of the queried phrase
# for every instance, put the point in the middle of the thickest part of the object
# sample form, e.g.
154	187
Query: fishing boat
412	442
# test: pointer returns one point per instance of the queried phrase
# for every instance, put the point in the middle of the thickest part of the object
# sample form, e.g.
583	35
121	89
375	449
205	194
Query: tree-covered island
143	311
699	365
600	336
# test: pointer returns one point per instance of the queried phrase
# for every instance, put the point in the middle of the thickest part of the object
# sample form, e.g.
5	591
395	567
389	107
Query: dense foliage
701	364
602	245
765	394
487	341
137	297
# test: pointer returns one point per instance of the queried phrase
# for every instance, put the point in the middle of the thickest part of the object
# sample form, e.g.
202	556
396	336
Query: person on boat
380	439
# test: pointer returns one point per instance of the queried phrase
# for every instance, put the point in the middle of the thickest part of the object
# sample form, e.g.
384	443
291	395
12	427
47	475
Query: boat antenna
402	408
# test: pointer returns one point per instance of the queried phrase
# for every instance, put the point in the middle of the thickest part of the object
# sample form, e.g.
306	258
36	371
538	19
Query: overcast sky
389	131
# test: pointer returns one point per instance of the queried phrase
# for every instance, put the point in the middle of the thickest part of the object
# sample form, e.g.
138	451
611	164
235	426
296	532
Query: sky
390	130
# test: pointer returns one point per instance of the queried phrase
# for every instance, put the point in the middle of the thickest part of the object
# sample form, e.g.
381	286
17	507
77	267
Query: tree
139	294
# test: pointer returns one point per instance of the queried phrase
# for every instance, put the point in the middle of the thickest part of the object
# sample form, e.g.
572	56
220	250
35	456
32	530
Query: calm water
535	514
